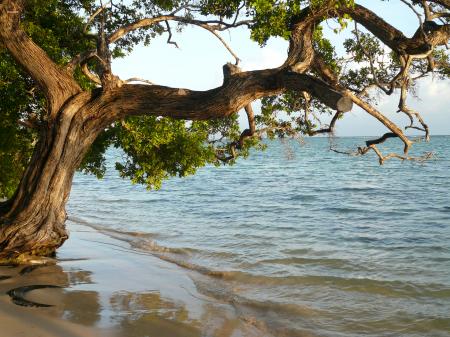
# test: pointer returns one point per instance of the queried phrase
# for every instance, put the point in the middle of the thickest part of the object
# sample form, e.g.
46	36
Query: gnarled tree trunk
32	222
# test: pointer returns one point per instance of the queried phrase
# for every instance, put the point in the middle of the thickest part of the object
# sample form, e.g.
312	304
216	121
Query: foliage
157	148
56	27
16	141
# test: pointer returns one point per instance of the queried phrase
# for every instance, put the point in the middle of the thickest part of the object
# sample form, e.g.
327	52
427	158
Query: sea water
306	240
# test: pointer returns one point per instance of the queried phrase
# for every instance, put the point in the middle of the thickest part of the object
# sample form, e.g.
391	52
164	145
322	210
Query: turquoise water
307	241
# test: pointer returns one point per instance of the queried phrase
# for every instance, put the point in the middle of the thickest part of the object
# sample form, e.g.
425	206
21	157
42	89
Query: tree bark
32	222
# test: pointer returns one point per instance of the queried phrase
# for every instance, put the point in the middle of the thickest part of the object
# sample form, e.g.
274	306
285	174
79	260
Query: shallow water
306	241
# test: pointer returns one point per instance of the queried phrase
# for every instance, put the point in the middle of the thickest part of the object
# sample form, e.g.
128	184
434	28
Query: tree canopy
82	37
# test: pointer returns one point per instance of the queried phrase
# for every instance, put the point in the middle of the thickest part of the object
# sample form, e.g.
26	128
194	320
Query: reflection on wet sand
82	307
96	290
138	314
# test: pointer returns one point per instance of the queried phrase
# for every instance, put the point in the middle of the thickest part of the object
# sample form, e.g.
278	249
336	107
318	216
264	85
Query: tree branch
324	71
388	34
212	26
238	90
81	58
382	158
361	151
247	133
92	17
56	84
330	128
169	31
443	3
93	77
382	118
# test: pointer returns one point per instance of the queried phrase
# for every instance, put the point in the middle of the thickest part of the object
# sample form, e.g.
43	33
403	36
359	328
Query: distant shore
109	290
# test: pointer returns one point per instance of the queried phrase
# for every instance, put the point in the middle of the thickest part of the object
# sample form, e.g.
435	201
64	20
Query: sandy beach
107	289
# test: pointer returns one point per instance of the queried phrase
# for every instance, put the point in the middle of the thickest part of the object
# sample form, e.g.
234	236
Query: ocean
307	241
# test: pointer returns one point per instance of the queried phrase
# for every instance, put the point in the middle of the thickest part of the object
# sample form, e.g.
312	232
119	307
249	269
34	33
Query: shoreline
108	289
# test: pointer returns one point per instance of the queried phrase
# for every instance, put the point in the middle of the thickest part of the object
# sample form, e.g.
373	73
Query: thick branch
382	118
56	84
93	77
237	92
394	38
301	51
388	34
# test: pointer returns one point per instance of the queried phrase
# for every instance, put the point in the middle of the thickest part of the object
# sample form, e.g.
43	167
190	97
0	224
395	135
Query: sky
197	65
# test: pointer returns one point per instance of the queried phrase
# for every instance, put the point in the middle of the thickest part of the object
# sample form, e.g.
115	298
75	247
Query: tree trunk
32	222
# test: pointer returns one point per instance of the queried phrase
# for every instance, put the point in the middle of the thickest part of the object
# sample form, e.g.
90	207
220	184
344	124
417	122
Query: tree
62	106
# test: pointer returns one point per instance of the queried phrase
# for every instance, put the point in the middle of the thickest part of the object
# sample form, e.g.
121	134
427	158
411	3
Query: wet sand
105	288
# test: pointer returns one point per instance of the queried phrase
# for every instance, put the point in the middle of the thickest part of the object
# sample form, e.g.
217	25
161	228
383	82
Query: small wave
180	256
445	209
153	246
363	285
108	230
297	251
303	197
115	200
137	240
344	210
357	188
333	263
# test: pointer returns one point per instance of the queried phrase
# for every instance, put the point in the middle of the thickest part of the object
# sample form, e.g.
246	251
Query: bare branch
247	133
81	58
404	78
415	12
381	159
444	3
169	31
330	128
383	119
92	17
212	26
208	28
